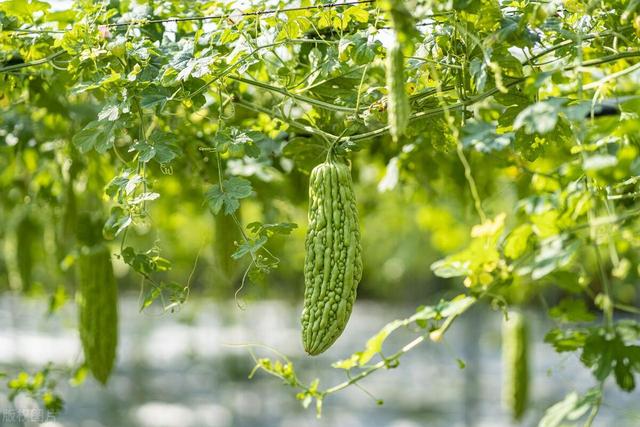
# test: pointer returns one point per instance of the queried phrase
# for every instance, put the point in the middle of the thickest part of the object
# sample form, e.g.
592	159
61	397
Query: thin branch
394	357
302	98
32	63
310	129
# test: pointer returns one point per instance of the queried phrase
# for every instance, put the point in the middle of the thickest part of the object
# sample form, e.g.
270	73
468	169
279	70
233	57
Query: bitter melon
97	301
226	235
22	241
398	108
333	263
516	364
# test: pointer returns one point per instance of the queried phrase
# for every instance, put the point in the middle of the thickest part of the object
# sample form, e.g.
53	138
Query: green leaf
155	96
554	253
305	152
109	112
79	376
24	9
144	263
518	241
165	147
374	344
482	137
117	222
98	135
238	142
448	267
347	364
567	340
571	310
268	230
228	197
358	47
124	185
605	352
57	299
358	13
249	247
540	117
571	408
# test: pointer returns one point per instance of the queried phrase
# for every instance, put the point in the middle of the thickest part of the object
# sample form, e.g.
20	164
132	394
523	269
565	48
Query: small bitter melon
516	364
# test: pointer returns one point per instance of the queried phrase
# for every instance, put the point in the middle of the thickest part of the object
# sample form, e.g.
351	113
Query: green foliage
228	195
607	352
572	409
40	386
432	322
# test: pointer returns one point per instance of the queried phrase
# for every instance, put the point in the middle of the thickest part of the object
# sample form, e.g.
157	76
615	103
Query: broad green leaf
482	137
228	197
517	241
540	117
96	135
573	407
571	310
374	344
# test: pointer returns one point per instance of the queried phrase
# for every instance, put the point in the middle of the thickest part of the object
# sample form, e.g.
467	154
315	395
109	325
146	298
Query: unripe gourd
22	244
224	245
97	302
398	108
515	348
333	263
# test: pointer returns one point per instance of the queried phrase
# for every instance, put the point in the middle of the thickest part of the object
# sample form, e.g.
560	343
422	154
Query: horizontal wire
143	22
229	15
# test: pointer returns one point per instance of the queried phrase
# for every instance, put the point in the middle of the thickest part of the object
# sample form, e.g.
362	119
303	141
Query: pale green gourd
515	348
398	108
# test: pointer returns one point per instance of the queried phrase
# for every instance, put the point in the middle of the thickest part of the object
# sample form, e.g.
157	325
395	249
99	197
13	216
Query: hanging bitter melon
97	302
516	364
333	263
398	107
23	243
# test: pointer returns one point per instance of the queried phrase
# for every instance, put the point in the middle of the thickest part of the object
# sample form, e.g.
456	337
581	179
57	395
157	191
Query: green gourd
227	233
97	301
515	363
22	245
333	263
398	108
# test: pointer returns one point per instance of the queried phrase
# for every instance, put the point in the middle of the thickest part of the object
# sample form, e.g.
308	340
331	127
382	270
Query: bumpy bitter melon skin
398	108
97	301
333	262
516	364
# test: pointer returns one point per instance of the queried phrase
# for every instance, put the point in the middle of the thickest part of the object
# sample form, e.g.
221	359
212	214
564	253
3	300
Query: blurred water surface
185	370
